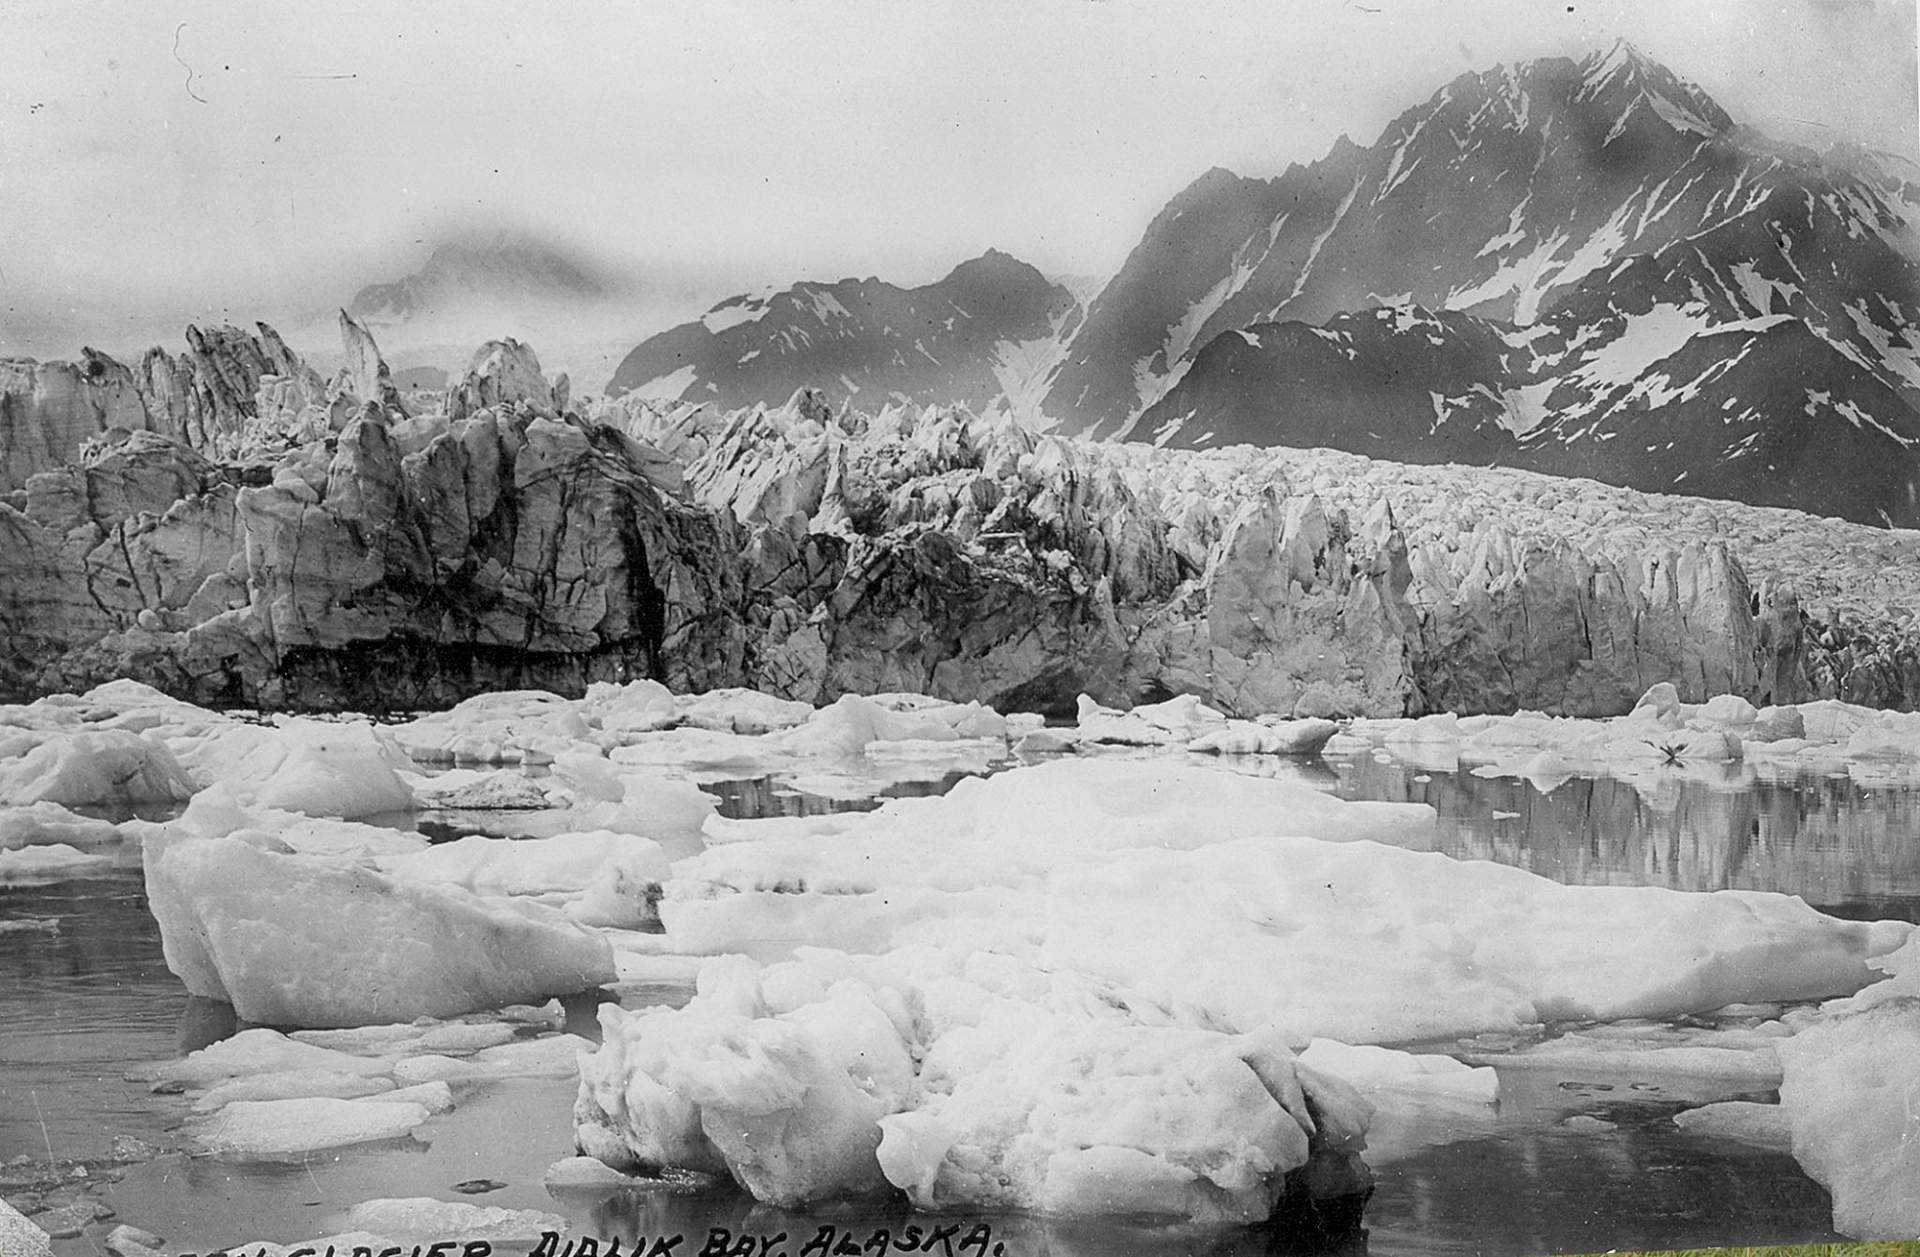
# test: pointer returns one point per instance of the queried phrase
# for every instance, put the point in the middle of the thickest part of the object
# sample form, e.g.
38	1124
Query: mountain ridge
1634	254
968	337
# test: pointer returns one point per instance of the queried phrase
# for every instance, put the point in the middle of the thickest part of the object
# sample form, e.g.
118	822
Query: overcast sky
284	155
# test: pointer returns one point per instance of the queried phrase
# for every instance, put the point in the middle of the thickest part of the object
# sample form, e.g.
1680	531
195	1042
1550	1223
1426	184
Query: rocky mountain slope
1577	267
1583	268
324	547
988	329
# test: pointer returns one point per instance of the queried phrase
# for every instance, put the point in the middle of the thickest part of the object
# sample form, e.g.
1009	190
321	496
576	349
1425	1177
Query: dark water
1848	849
81	1005
78	1006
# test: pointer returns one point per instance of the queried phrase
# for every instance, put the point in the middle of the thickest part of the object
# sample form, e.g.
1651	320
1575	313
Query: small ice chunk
851	723
1745	1068
255	1052
1179	720
127	1241
425	1035
583	1172
1741	1121
274	1128
1246	737
292	1085
43	824
741	711
53	862
1588	1122
434	1097
553	1056
422	1217
1370	1069
470	790
1045	742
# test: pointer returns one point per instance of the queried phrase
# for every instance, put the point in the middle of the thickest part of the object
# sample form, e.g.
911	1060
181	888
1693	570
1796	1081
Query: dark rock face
982	332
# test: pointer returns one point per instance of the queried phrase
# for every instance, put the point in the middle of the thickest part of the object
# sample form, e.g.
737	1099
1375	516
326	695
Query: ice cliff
234	529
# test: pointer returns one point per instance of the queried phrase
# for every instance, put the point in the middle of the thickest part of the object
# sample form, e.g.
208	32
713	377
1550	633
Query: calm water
1846	848
81	1005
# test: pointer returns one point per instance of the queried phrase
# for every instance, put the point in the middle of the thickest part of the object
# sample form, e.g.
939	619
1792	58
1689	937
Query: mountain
1581	267
1760	410
484	270
990	329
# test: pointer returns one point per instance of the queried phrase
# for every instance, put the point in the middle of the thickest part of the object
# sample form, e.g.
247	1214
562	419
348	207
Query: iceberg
271	1129
964	1080
96	768
302	940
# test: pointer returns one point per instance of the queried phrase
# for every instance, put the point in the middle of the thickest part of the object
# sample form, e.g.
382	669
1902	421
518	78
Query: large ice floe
1068	988
1138	968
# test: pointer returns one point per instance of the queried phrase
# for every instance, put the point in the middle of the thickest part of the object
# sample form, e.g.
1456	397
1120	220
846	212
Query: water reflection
757	798
1846	848
78	1004
1560	1190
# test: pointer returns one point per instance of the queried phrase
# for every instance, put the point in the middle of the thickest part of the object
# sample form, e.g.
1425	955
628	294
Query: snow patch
734	312
667	388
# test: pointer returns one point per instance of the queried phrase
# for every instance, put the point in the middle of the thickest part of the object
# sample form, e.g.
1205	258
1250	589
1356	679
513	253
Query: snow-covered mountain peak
1622	79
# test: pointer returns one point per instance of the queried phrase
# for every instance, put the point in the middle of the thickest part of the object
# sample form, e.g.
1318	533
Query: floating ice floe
1180	880
1042	946
319	768
583	1174
1763	1126
988	846
424	1218
1282	737
52	862
292	1084
1176	722
597	878
553	1057
43	824
291	1128
1374	1070
261	1093
961	1079
1732	1062
305	940
1662	735
258	1051
105	767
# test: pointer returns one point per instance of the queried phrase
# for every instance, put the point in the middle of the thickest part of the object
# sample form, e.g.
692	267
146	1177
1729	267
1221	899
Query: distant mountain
992	328
498	269
1582	267
1760	410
